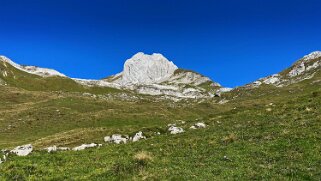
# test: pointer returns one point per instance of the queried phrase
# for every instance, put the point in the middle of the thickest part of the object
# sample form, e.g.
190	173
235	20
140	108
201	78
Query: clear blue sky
232	41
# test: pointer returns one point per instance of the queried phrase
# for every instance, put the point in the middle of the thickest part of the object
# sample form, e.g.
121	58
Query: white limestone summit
146	69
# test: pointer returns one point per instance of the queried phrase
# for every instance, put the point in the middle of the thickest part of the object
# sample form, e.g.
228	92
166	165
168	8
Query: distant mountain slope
148	74
43	72
304	68
40	79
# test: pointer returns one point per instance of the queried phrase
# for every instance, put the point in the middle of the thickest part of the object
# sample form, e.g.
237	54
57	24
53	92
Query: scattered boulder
183	122
63	148
198	125
84	146
55	148
5	154
223	101
269	109
23	150
4	158
175	130
308	109
51	149
116	138
226	158
138	136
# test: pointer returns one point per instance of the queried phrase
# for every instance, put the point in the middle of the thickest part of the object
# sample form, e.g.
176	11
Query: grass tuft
229	139
142	159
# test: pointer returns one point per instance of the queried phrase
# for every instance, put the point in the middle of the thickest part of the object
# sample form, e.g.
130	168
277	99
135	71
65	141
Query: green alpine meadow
159	122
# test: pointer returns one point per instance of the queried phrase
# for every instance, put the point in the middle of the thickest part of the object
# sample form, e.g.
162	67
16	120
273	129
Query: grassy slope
54	113
261	141
17	78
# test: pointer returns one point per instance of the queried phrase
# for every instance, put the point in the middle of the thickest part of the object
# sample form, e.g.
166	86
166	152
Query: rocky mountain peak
155	75
147	69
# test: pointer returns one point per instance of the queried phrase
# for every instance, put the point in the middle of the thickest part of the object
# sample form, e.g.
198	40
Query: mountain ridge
156	75
145	74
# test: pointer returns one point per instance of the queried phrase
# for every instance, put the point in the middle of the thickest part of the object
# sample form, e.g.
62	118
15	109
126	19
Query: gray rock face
146	69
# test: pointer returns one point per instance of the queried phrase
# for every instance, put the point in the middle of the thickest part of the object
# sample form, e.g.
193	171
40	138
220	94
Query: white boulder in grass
23	150
175	130
5	157
138	136
51	149
63	148
84	146
198	125
116	138
55	148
